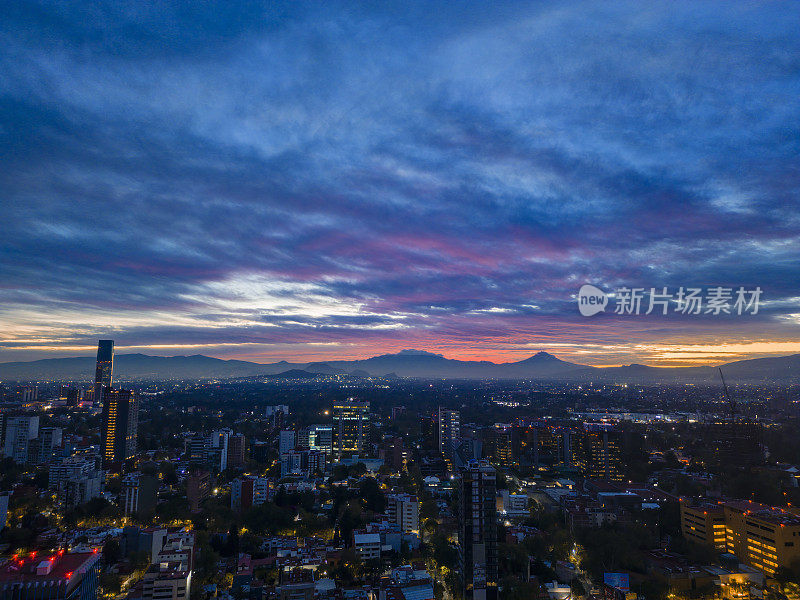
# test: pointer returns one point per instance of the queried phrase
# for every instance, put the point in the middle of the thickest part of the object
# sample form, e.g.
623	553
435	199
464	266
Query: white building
403	510
19	433
367	545
170	574
514	505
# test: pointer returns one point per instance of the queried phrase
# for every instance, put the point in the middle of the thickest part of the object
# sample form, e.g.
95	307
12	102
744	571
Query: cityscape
325	483
355	300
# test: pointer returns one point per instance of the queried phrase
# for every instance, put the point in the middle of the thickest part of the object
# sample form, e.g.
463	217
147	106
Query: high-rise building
217	451
3	510
20	432
104	368
320	437
271	411
30	395
212	451
76	481
140	493
595	454
48	446
734	442
502	448
449	430
403	511
286	441
73	397
477	535
350	427
120	426
198	488
236	451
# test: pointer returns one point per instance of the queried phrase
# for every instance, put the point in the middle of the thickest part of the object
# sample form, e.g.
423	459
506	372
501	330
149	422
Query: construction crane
731	403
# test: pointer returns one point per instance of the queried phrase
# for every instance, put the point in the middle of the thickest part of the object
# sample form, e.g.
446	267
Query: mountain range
407	363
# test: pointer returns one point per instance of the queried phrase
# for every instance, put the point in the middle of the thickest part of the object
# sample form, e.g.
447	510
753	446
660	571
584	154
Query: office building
593	453
198	488
763	537
501	440
704	524
76	481
477	513
236	451
449	431
120	426
734	442
216	451
539	444
304	463
48	447
286	441
104	369
73	397
139	494
320	437
60	576
350	427
20	432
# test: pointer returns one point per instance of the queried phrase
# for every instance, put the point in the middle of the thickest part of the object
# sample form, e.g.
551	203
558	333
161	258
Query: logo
591	300
716	301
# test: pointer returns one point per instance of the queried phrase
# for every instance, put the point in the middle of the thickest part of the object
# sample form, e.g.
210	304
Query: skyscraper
120	426
449	430
477	535
104	369
350	427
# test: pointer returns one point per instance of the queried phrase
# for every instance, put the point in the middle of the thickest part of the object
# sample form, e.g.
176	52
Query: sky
339	180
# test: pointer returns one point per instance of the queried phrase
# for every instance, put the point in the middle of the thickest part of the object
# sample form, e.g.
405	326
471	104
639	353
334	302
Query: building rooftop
35	568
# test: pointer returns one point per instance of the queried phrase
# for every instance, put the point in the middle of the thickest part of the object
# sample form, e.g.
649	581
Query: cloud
369	177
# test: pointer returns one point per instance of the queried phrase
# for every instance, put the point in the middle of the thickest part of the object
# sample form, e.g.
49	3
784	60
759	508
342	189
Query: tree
371	495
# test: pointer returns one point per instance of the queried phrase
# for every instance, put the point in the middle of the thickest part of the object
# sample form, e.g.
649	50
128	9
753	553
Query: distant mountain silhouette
407	363
295	374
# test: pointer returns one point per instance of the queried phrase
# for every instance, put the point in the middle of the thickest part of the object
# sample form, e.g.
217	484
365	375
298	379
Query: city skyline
312	183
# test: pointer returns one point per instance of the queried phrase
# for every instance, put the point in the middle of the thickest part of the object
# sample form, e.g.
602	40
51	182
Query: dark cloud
299	174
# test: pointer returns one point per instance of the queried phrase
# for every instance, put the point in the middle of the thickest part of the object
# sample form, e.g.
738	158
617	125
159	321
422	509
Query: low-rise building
367	545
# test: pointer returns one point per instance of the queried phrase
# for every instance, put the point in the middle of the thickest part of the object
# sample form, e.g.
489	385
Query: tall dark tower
104	369
477	534
120	427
